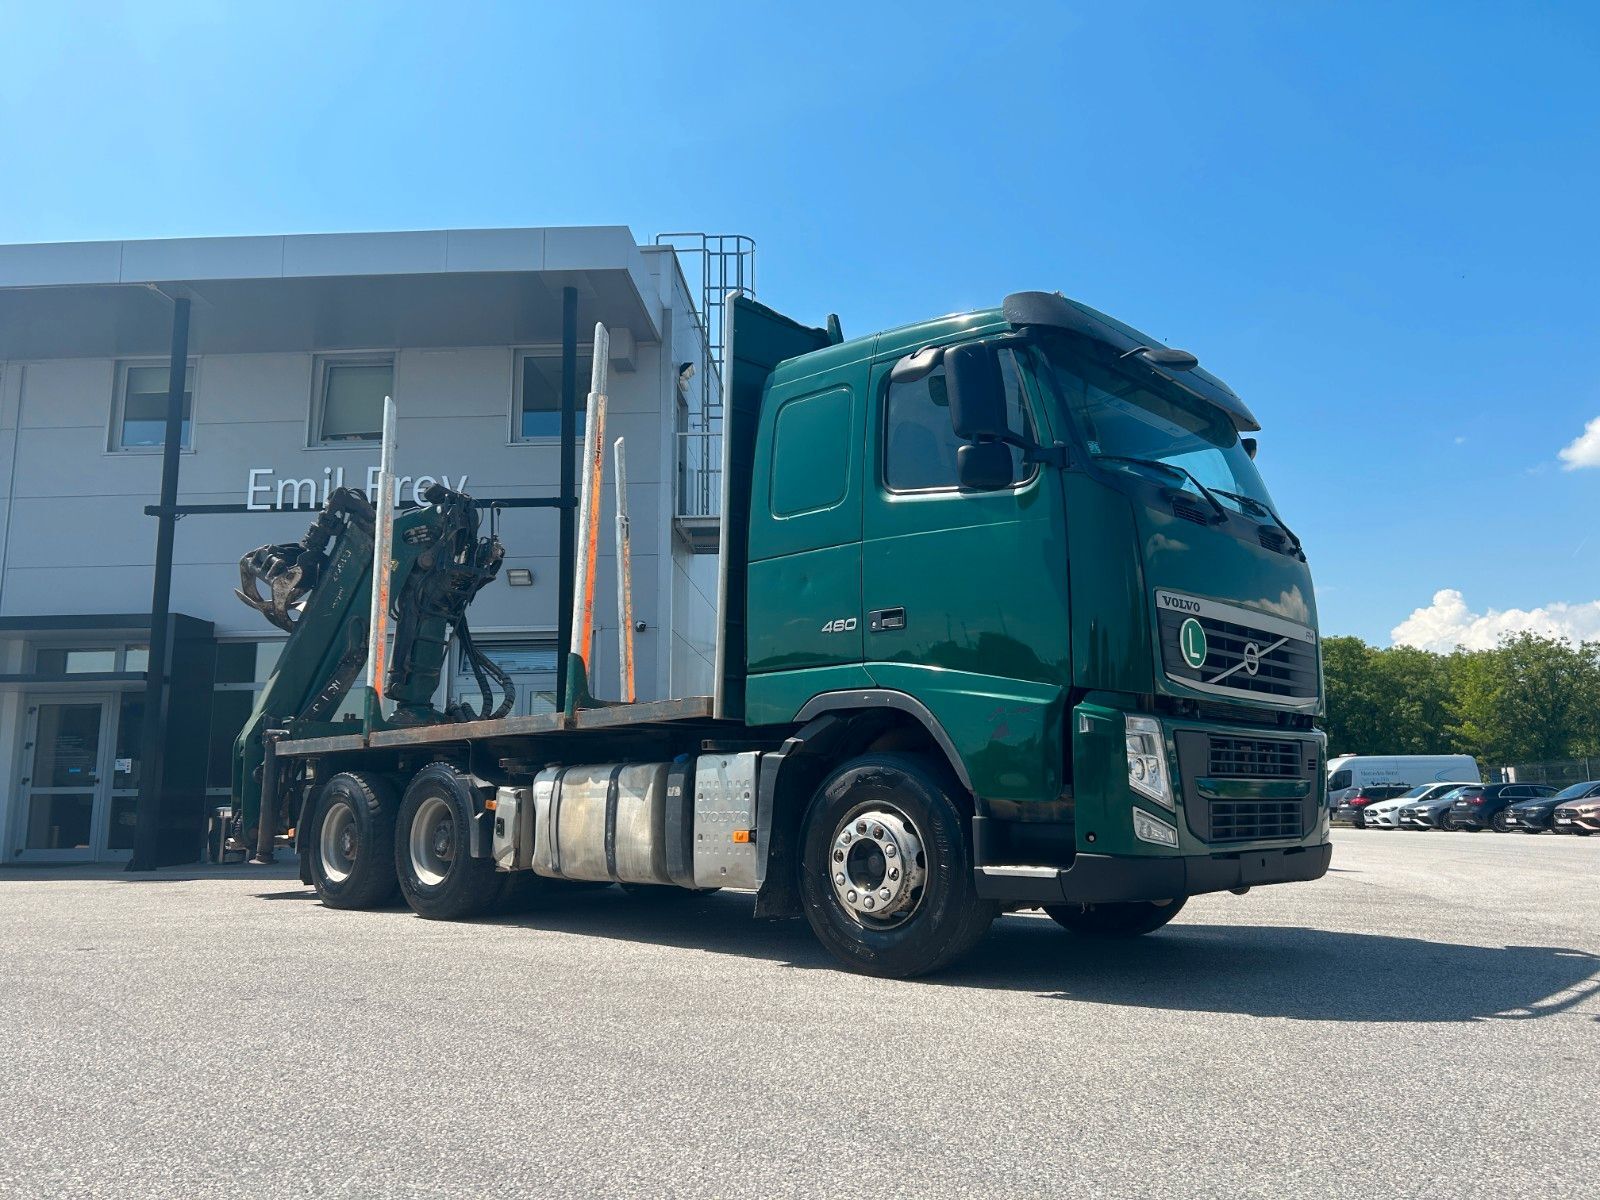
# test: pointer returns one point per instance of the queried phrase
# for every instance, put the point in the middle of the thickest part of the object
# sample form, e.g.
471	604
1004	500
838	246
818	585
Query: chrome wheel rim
878	867
433	841
338	844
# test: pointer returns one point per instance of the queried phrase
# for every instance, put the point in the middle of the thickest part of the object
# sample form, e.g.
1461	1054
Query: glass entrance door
77	800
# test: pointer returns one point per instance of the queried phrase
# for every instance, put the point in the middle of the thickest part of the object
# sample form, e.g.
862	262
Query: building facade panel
271	316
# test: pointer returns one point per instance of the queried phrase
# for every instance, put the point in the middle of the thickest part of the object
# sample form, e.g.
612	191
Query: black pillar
147	827
569	486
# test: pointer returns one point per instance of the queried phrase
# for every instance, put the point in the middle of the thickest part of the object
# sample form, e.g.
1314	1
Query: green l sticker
1192	640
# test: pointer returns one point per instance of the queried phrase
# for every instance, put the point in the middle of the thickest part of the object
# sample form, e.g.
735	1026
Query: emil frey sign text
263	491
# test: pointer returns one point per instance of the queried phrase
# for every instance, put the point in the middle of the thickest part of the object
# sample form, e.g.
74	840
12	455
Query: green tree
1528	700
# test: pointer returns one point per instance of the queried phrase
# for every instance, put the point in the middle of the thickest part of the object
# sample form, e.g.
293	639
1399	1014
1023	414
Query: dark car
1350	809
1535	816
1434	812
1475	808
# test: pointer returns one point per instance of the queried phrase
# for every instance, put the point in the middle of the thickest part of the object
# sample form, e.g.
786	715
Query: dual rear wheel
369	847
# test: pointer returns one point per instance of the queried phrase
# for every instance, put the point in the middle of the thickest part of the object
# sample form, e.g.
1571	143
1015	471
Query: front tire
1448	823
1120	920
439	878
886	873
353	826
1499	824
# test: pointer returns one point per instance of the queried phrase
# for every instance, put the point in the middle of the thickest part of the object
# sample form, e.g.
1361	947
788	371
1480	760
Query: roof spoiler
1056	311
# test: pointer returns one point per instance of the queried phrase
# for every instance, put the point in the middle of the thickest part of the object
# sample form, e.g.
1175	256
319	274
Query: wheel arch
837	726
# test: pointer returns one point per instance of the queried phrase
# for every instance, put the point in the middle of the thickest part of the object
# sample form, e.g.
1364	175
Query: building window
241	672
538	394
350	395
531	664
140	422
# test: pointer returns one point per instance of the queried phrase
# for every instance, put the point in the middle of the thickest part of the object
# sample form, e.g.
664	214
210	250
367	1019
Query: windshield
1417	792
1122	414
1576	792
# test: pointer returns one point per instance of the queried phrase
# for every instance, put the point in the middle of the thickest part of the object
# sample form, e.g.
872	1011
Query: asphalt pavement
1423	1022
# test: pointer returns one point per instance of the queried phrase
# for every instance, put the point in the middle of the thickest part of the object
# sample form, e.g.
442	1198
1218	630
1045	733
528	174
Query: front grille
1253	758
1207	758
1253	820
1246	654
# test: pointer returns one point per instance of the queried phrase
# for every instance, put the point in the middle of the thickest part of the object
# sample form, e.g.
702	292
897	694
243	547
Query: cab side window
919	445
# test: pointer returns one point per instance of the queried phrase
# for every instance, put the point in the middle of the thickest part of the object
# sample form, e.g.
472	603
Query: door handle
881	619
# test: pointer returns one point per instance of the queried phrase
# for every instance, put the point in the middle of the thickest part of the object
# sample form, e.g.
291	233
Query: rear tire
1121	920
352	828
892	827
439	878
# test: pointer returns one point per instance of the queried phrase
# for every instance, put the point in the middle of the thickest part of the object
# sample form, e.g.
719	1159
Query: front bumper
1567	820
1527	820
1107	878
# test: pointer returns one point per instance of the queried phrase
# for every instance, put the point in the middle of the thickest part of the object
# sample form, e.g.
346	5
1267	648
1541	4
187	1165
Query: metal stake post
624	576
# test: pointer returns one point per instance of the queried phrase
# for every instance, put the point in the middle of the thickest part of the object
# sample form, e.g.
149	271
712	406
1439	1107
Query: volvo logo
1252	658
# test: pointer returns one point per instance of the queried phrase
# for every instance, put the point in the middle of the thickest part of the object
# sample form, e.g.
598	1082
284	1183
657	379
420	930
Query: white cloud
1585	448
1448	623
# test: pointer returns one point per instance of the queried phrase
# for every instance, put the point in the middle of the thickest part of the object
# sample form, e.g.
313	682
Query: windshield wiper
1174	468
1252	503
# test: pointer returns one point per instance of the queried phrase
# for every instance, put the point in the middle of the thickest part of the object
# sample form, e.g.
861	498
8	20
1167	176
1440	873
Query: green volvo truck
1008	620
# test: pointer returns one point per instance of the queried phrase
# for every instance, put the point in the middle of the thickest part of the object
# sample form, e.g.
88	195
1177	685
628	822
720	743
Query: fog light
1147	759
1152	829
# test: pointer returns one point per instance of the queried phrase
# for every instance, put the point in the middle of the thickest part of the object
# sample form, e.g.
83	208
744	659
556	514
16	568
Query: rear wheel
1121	920
886	871
353	826
439	878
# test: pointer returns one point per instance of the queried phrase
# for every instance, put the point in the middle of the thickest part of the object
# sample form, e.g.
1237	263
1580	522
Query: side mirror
977	392
1249	445
984	466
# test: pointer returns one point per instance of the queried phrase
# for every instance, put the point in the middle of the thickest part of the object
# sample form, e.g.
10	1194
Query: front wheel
1448	823
439	878
1120	920
886	871
1501	822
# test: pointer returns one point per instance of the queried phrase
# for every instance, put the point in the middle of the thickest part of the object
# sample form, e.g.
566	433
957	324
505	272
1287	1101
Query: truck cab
1038	538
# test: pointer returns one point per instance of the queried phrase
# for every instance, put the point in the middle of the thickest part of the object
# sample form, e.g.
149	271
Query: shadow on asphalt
1257	970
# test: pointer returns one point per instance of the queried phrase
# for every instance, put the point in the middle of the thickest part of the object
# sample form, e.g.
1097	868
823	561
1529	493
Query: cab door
965	593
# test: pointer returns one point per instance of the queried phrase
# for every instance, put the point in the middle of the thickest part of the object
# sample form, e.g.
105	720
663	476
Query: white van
1349	772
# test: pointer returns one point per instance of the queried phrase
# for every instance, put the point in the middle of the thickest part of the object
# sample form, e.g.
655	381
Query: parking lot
1423	1022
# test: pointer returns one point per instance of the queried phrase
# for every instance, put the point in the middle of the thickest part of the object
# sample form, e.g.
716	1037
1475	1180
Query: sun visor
1056	311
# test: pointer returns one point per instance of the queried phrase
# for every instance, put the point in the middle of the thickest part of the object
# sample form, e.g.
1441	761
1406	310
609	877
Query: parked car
1475	808
1385	814
1432	813
1535	816
1348	772
1578	816
1351	809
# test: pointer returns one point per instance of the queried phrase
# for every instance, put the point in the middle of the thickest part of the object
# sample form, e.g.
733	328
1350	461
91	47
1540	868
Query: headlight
1147	760
1589	809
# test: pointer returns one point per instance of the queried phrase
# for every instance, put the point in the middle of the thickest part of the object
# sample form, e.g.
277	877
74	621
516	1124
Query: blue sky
1377	222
